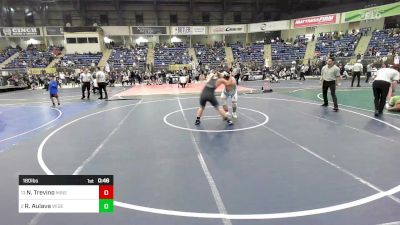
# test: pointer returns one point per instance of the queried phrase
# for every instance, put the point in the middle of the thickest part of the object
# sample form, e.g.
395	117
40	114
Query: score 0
106	195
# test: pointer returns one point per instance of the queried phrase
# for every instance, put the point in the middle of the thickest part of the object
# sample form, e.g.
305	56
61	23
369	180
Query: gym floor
286	160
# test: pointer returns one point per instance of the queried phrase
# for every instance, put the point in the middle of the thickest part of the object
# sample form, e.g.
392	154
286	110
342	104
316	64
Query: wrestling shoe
234	115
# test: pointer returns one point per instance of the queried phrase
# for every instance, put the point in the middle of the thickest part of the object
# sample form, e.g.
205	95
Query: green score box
106	205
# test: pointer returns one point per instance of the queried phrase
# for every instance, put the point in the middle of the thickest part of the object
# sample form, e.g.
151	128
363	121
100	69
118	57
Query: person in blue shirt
53	89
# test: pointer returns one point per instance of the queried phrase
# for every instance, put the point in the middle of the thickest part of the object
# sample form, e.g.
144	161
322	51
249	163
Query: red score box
106	192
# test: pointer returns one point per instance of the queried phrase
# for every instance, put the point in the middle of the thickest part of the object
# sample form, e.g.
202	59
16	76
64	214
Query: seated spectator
165	55
134	56
80	60
32	58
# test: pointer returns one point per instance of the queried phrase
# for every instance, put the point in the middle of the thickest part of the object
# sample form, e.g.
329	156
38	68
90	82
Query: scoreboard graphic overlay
66	194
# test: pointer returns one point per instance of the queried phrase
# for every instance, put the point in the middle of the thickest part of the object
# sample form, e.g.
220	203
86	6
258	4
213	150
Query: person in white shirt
125	78
86	78
107	68
396	59
237	73
62	77
101	81
304	70
330	76
385	79
348	67
293	71
95	85
357	69
369	72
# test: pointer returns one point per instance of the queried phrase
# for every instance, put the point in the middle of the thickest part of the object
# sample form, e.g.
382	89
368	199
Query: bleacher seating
288	51
338	47
253	53
210	56
7	53
167	55
383	43
80	60
32	58
135	56
55	50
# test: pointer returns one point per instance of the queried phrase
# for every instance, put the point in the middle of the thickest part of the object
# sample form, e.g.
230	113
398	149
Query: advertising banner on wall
269	26
228	29
116	30
39	70
176	67
19	31
316	21
54	31
372	13
188	30
154	30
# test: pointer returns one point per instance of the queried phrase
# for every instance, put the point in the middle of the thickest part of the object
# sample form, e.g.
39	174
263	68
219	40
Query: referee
385	78
330	75
357	70
86	78
101	80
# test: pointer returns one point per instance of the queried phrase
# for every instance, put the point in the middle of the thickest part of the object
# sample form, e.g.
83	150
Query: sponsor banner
269	26
176	67
316	21
19	31
149	30
188	30
372	13
116	30
228	29
54	31
39	70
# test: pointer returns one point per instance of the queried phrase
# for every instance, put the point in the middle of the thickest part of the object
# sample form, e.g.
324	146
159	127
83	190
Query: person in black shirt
208	95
